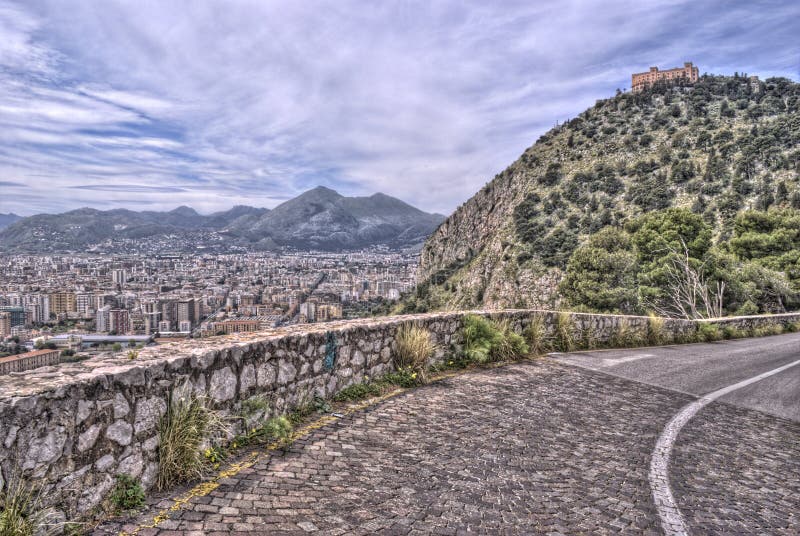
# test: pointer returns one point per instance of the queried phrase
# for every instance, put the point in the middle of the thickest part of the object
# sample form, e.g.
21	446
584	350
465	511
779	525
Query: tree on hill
601	273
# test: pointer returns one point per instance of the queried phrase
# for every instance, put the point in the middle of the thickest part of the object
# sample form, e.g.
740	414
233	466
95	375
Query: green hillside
725	152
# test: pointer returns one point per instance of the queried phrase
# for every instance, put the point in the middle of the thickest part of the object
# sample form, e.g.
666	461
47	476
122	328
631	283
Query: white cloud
252	101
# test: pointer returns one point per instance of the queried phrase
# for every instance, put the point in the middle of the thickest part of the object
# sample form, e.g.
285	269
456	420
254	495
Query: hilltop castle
688	72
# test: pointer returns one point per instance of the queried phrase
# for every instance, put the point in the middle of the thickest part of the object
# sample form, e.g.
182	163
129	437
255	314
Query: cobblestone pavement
529	448
737	471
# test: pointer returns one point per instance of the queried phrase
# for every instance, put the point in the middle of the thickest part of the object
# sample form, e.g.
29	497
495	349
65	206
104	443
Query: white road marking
671	518
611	361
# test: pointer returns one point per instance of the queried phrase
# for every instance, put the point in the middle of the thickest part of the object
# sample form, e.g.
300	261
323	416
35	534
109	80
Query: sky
153	104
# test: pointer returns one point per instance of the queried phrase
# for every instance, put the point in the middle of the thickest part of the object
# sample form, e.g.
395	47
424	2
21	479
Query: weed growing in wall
127	494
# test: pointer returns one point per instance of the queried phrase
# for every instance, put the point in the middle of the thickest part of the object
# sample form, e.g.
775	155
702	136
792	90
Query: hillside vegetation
642	197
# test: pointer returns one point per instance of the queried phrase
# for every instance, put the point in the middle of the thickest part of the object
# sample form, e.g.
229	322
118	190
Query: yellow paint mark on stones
204	488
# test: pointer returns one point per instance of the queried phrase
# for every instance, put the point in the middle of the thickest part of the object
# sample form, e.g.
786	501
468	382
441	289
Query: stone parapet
72	428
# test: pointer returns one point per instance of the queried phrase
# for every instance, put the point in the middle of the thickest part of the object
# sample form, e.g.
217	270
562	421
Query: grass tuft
589	338
624	335
536	335
565	332
21	511
656	333
414	346
182	431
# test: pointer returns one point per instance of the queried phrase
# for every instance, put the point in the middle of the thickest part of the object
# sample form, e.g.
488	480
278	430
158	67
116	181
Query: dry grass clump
656	333
589	338
626	335
414	346
21	511
182	431
565	332
536	335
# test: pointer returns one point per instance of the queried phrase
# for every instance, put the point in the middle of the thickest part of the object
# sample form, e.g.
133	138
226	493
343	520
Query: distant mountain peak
184	210
319	218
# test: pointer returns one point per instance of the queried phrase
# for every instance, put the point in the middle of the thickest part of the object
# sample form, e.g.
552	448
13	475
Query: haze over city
213	104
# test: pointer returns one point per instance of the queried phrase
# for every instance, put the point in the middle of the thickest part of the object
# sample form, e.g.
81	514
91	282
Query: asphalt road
699	369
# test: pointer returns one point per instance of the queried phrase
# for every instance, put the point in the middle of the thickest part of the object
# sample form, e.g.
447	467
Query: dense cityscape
67	307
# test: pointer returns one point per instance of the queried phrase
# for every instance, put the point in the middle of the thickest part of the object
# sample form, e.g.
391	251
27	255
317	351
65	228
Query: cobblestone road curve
529	448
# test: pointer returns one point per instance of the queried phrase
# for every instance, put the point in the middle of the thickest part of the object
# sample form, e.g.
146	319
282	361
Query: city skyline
215	107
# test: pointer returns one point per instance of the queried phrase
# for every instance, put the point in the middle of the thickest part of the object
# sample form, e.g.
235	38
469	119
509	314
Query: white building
103	319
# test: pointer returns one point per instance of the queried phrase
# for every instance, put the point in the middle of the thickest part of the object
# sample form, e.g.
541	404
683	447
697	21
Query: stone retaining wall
73	427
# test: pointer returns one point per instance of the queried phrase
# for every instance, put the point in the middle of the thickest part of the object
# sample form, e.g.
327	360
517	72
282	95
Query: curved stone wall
72	428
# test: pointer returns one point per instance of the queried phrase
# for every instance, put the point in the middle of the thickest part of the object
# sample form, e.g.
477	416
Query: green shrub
215	456
453	362
536	335
708	332
486	341
480	335
510	344
182	430
127	494
308	406
748	308
565	332
21	512
414	346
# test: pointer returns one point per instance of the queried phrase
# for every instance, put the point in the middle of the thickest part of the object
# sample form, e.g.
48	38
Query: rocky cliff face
718	147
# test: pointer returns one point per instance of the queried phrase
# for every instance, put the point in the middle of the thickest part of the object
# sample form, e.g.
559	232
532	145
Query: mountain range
8	219
319	219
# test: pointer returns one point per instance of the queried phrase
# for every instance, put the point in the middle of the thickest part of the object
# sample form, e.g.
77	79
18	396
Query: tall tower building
103	319
119	277
5	325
